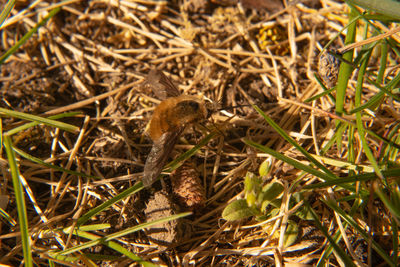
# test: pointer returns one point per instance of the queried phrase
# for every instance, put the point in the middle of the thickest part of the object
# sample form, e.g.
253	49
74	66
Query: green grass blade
6	11
52	166
7	217
345	69
175	163
104	240
28	35
377	98
1	136
350	220
383	62
394	209
359	123
34	123
38	119
296	164
351	157
343	256
132	190
19	198
396	237
355	178
393	154
111	244
339	128
294	143
389	8
325	92
373	101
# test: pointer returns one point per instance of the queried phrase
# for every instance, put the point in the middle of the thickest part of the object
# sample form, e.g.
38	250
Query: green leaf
252	183
237	210
252	188
304	214
274	203
291	233
272	190
251	200
265	167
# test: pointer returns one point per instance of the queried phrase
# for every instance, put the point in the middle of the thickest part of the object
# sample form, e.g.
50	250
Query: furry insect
168	122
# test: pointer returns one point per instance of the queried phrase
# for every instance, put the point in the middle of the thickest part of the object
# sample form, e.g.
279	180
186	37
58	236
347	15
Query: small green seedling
263	201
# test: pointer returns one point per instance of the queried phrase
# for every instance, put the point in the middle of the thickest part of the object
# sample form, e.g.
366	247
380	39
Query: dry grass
92	57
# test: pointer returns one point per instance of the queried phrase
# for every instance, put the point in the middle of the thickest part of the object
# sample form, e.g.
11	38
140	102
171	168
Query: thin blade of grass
111	244
394	209
296	163
383	62
345	71
1	136
6	11
104	240
389	8
176	162
359	123
395	235
350	220
331	141
354	178
28	35
294	143
34	123
89	227
351	157
69	260
38	119
378	97
7	217
132	190
393	153
52	166
19	198
349	165
325	92
343	255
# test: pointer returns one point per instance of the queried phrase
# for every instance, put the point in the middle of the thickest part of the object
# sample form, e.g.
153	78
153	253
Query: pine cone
187	187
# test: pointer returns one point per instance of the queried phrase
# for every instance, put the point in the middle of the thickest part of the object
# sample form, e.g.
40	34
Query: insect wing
158	156
160	84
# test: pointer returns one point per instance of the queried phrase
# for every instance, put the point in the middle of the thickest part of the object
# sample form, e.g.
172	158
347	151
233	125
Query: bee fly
168	122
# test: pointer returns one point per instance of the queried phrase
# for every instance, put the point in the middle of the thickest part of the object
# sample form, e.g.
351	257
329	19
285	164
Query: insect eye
194	105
